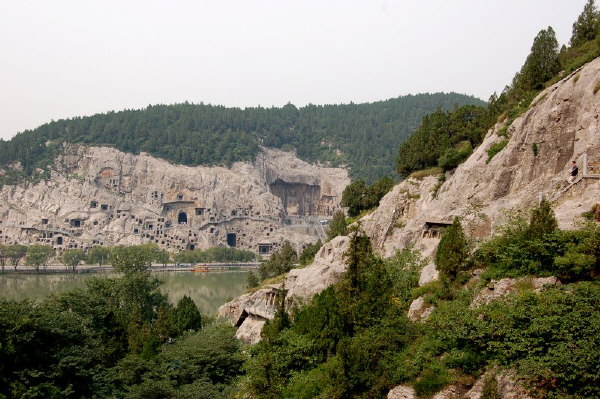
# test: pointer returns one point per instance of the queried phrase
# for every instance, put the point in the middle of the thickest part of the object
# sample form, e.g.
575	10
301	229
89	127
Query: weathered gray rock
250	329
498	289
508	387
99	195
402	392
300	284
564	125
419	310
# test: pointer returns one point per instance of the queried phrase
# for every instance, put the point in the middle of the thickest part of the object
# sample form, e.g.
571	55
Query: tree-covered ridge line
363	136
446	138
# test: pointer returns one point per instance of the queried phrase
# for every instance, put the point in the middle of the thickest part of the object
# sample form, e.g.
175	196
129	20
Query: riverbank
171	267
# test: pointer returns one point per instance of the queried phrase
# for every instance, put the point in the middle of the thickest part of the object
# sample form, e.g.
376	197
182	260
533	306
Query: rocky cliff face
562	125
101	196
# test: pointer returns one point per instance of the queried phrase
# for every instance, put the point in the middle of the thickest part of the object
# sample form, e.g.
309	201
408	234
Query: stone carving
101	196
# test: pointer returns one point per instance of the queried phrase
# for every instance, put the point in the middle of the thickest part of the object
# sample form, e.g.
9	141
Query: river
208	290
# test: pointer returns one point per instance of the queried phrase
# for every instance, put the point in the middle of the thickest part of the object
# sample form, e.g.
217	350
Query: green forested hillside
364	136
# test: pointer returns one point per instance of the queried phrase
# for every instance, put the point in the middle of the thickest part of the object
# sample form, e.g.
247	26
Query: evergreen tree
587	25
337	226
187	315
353	197
252	280
542	63
453	251
542	220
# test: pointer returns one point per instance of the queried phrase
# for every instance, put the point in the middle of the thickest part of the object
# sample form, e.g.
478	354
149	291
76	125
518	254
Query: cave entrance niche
182	218
231	239
298	199
59	240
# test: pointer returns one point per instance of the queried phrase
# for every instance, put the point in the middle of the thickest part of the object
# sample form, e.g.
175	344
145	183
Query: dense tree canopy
363	136
587	25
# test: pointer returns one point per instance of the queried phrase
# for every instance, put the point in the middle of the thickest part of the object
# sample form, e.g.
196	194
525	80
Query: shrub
453	157
495	148
453	250
421	174
535	149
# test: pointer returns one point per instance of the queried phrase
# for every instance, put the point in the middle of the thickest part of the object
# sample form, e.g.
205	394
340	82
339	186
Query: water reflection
208	290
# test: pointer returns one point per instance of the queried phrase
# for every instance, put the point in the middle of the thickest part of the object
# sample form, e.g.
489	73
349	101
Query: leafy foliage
363	136
337	226
281	261
444	138
215	254
73	257
357	196
453	251
587	26
495	149
38	255
308	253
187	316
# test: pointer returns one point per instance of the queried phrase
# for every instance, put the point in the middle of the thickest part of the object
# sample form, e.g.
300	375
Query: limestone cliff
563	123
101	196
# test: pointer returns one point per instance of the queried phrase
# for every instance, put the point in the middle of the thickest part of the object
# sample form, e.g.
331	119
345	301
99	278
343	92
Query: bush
453	251
338	226
453	157
495	148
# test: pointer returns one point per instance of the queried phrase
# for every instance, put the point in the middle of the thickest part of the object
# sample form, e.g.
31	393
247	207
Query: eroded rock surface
101	196
402	392
498	289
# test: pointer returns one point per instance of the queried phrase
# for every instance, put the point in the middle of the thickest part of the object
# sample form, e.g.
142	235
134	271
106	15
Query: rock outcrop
496	290
101	196
563	123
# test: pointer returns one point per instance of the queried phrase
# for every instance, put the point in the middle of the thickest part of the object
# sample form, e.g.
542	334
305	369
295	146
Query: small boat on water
200	269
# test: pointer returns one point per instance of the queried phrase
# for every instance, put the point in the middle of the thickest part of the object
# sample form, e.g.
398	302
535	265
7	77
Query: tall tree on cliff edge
542	63
587	25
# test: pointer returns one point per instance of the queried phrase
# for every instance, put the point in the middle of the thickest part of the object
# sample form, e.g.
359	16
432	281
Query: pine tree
453	251
337	227
542	220
587	25
187	315
542	63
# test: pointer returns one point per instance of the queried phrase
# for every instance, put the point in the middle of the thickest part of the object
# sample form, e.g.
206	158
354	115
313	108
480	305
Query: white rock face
501	288
419	310
328	266
99	195
250	330
508	387
564	125
402	392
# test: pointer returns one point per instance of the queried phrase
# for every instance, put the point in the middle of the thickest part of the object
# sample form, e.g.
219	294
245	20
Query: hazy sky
64	58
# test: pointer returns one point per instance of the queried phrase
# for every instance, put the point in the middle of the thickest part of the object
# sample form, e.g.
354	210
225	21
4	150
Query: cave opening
59	240
182	218
231	239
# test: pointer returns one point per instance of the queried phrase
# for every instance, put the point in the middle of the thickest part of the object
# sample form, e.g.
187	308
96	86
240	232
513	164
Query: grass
421	174
495	148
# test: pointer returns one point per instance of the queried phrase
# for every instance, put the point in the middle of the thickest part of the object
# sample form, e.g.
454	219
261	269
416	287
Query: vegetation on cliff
362	136
355	340
447	138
